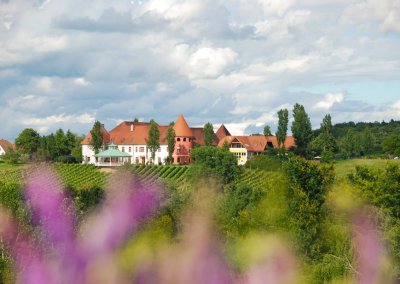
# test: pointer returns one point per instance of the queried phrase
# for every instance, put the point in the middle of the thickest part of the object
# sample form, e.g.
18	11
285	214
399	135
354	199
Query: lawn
8	166
343	168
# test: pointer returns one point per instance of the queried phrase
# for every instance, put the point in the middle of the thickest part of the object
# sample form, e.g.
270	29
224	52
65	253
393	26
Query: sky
65	64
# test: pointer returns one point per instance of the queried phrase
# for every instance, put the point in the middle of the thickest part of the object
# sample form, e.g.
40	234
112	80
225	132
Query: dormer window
178	139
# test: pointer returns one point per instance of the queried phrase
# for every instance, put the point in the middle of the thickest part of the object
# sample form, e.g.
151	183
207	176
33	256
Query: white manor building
127	143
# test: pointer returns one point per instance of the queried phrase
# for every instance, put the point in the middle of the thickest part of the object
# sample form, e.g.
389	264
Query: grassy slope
343	168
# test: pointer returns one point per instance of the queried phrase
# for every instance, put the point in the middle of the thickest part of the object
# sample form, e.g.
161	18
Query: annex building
127	143
4	146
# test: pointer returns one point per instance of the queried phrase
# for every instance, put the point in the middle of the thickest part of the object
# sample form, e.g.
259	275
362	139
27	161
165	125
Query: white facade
2	152
140	154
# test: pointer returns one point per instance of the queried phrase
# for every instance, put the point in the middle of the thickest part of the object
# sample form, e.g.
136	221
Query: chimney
131	127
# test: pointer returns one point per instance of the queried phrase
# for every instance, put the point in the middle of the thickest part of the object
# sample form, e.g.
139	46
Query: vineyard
76	176
80	176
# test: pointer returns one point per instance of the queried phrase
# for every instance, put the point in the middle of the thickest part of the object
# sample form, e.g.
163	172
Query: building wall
183	148
140	154
2	152
241	155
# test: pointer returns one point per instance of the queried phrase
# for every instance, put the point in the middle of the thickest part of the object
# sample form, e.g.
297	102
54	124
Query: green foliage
381	187
267	131
236	207
27	142
171	141
301	130
153	142
391	144
11	157
325	141
264	162
216	162
208	134
307	188
97	137
283	120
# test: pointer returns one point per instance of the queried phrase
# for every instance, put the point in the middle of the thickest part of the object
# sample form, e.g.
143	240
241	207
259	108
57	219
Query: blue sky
64	64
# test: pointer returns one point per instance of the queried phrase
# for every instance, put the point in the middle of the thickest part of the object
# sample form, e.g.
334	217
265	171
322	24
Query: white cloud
209	62
44	123
329	100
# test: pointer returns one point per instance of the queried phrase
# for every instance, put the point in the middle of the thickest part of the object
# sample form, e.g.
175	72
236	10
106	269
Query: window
130	149
179	160
189	139
184	139
123	149
159	149
141	149
178	139
137	160
136	149
178	149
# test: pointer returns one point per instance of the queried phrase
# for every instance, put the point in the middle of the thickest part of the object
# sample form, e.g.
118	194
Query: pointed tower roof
181	127
222	132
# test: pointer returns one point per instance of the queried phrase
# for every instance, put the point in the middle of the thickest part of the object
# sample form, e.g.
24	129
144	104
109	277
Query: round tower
183	142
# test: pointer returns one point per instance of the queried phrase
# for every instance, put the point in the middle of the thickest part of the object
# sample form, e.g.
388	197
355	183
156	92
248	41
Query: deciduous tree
208	134
27	141
267	131
283	120
97	137
301	129
171	141
153	141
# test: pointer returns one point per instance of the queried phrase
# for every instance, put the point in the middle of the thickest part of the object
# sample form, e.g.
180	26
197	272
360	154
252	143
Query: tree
61	143
136	120
267	131
153	141
301	129
171	141
325	143
97	137
208	134
391	144
27	142
308	184
215	162
283	120
11	156
76	151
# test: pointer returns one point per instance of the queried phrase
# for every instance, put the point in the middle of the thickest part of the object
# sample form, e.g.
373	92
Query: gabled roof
256	143
106	136
198	134
6	145
181	127
222	132
132	133
289	141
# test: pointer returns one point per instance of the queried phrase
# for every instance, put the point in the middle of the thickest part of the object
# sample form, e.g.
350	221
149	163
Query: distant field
8	166
343	168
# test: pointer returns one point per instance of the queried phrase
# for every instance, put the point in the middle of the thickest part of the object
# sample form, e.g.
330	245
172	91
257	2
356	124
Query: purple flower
62	255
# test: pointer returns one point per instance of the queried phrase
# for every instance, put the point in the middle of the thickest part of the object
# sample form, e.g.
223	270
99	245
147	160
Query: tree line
339	141
58	147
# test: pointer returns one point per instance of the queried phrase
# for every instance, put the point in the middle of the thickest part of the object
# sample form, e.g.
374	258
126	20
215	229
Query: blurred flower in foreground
62	255
58	252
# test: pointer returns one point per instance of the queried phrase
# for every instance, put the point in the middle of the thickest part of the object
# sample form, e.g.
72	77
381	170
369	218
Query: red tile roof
131	133
181	127
106	136
6	145
198	134
222	132
256	143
